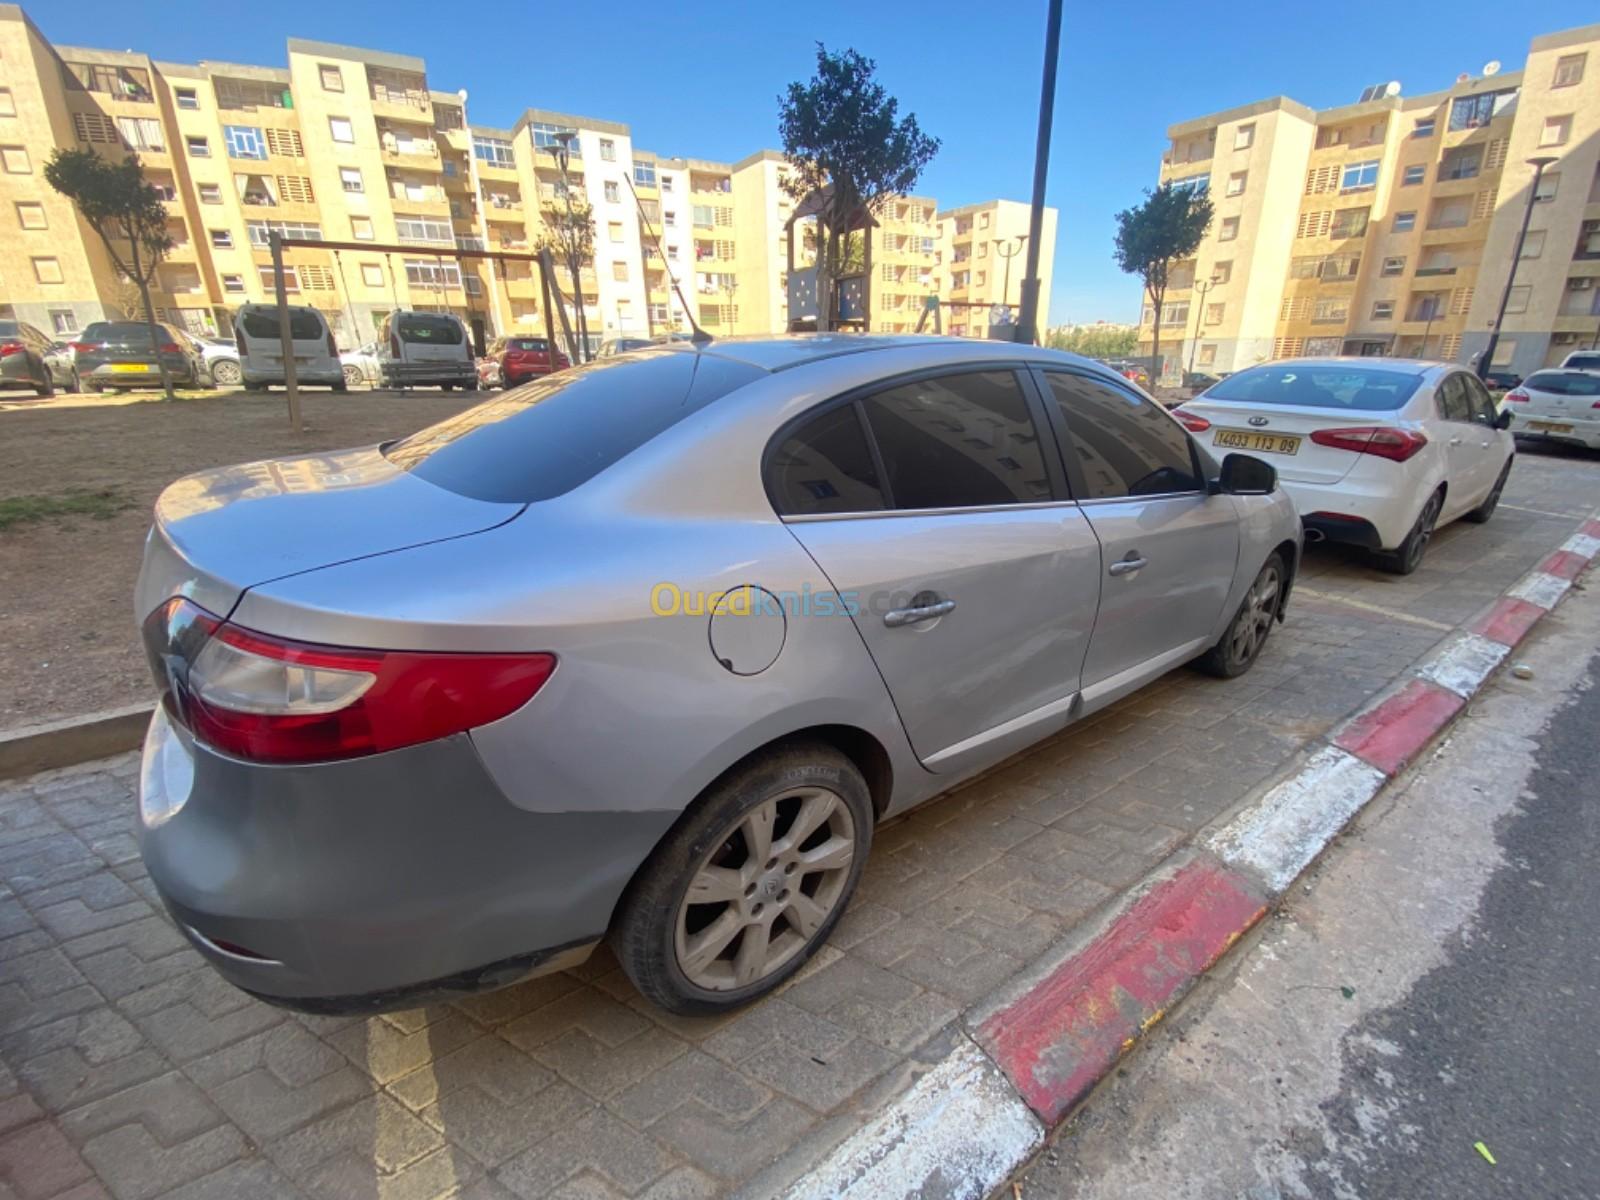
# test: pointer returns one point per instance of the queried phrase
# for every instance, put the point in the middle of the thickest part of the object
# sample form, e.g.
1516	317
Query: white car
221	359
1374	453
360	365
1558	405
1582	360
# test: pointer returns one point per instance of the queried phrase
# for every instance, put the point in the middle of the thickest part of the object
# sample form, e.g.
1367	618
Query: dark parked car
616	346
1502	381
525	358
119	354
1200	380
22	358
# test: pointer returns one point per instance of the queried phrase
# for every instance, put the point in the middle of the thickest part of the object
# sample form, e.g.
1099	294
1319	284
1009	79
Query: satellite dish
1392	88
1492	67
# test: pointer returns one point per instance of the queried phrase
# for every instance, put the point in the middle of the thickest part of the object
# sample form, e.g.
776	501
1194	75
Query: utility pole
1008	253
1538	164
291	384
1028	321
563	152
1204	286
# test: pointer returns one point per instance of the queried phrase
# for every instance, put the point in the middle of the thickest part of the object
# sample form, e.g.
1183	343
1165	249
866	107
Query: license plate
129	368
1549	427
1264	443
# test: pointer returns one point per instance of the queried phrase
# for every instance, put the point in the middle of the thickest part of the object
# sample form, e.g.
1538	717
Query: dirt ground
68	645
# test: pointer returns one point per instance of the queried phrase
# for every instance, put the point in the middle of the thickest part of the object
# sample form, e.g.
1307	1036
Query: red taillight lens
169	347
1517	396
7	348
1397	445
269	699
85	347
1193	422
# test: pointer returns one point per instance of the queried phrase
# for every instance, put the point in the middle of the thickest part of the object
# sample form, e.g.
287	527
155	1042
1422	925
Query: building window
1517	298
1414	175
340	130
372	274
244	141
1548	183
983	249
233	283
1236	183
544	138
1214	313
608	150
1222	272
424	229
472	284
1569	70
1533	245
1383	310
426	272
8	103
197	147
613	191
63	322
47	270
187	97
619	272
332	78
1473	112
30	214
1191	183
210	193
1358	177
644	173
669	218
15	159
1556	130
1404	221
496	152
1393	266
222	238
1229	229
666	183
1423	128
1349	223
983	220
1244	137
350	178
614	231
982	278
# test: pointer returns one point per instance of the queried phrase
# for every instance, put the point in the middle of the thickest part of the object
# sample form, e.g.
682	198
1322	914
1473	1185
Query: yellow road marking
1302	590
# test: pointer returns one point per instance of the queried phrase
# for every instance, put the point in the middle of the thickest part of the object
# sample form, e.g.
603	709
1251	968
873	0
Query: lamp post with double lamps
1538	164
563	152
1204	286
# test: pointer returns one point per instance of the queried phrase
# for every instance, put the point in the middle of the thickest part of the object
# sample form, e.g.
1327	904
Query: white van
316	357
427	349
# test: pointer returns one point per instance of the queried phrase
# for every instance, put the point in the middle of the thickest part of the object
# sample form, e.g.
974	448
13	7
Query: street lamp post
1008	252
1538	164
1204	286
563	152
1433	311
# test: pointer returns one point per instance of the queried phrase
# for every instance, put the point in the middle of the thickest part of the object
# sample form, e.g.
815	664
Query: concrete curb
75	740
1036	1051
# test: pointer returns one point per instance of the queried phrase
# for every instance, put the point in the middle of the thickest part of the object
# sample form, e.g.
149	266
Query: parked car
22	358
489	373
62	363
1131	371
120	355
1199	380
615	346
221	358
1501	381
1557	406
525	358
360	365
1582	360
650	650
1376	456
260	344
425	349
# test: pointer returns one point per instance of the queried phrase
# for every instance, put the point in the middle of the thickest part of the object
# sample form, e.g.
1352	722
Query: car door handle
1128	566
897	617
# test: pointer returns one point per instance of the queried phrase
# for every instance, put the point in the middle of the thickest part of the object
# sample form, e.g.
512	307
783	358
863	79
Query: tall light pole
1008	252
563	152
1538	164
1028	319
1204	286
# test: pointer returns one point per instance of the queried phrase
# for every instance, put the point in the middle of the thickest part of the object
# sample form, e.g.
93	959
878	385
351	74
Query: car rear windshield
549	436
429	329
128	333
1313	385
304	324
538	345
1583	362
1564	383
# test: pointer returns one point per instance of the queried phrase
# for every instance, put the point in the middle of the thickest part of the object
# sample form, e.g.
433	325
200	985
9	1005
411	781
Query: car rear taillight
7	348
1397	445
86	347
169	347
1193	422
268	699
1518	396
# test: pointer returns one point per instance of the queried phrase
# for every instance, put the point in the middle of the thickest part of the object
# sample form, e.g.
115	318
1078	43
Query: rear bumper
368	884
1359	509
1579	431
521	374
142	374
426	374
315	376
1326	527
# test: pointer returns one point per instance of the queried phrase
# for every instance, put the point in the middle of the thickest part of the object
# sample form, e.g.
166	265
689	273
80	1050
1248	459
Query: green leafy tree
130	218
1166	228
1095	341
843	129
569	236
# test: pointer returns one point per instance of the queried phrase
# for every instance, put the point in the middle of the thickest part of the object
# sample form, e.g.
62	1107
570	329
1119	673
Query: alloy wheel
1255	617
1417	544
765	890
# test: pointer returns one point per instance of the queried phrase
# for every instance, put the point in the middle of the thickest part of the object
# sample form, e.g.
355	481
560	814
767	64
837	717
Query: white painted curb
958	1133
1541	588
1463	663
1582	545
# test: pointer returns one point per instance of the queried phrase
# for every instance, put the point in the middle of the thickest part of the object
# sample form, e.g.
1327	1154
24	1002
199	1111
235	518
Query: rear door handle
897	617
1128	566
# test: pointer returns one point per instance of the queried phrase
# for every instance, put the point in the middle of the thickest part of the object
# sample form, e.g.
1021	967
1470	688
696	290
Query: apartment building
1387	226
347	146
982	259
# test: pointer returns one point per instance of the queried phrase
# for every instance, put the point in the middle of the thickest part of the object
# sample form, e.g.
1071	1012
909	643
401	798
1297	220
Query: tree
129	216
569	235
1094	341
1151	236
843	129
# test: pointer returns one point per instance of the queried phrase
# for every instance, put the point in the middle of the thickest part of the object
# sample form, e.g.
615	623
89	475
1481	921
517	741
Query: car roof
795	350
1403	366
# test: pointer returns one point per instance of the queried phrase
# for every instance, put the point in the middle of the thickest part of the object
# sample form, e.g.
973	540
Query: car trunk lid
1270	431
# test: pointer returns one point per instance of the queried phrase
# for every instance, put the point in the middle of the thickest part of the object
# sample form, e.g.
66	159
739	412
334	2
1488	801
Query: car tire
1241	643
341	387
255	387
226	373
699	956
352	376
445	387
1407	556
1484	511
46	389
74	381
470	387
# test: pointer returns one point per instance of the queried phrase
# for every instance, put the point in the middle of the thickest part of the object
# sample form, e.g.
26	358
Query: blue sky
703	80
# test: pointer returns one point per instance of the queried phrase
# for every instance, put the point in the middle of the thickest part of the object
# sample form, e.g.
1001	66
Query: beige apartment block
347	146
982	258
1387	227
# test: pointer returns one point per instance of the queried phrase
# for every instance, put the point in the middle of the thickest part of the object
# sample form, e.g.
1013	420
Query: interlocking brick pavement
128	1069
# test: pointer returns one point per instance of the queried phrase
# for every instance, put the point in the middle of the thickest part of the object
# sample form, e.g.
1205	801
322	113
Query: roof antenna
701	337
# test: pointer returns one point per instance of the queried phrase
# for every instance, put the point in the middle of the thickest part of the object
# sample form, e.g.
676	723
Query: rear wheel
46	389
1247	633
749	884
225	372
352	376
255	387
1492	501
445	387
341	386
74	381
470	386
1407	557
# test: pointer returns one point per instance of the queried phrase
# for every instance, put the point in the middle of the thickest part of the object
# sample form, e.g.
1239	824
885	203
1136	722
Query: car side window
958	441
825	466
1479	400
1453	402
1125	444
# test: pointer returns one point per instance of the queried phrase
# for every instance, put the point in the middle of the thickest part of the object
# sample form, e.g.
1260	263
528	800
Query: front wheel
352	376
1241	643
225	373
749	883
1485	510
46	389
1407	557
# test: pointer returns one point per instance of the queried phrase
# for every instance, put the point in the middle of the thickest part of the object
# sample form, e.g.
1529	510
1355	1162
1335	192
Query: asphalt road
1434	985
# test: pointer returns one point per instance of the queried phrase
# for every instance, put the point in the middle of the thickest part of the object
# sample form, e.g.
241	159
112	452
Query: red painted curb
1509	621
1057	1041
1564	563
1390	734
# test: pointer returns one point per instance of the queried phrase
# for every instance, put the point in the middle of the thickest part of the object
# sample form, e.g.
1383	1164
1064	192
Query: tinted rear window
135	333
429	329
1584	362
304	324
1314	385
549	436
1564	383
538	345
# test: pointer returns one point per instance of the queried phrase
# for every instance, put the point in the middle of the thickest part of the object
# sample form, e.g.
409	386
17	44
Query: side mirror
1502	419
1244	475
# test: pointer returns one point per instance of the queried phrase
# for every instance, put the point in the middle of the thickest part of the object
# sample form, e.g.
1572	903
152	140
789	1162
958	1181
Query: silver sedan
645	650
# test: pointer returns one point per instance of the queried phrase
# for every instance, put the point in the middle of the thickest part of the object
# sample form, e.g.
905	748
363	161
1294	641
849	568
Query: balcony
497	170
1424	272
510	210
403	98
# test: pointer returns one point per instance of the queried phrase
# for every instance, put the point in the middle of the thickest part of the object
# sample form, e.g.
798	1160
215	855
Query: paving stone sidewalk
128	1069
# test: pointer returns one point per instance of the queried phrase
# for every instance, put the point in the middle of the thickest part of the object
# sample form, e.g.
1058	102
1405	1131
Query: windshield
8	329
430	329
1318	385
304	324
536	344
549	436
